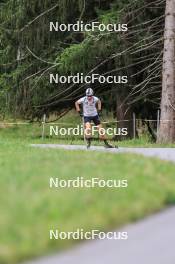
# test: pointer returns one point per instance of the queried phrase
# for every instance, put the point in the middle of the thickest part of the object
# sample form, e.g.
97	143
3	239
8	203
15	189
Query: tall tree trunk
167	124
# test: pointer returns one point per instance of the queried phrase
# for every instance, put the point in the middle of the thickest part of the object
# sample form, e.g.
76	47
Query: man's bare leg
102	136
88	134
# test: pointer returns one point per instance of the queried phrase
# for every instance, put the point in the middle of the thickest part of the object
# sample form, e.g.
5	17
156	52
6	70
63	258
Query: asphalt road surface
151	241
162	153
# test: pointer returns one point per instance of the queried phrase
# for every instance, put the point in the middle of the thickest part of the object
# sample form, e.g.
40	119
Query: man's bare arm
99	105
77	106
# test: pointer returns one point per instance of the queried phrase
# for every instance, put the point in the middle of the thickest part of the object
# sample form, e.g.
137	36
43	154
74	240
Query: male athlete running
91	111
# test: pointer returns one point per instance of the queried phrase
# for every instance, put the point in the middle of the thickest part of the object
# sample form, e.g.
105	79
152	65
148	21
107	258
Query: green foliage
26	45
83	56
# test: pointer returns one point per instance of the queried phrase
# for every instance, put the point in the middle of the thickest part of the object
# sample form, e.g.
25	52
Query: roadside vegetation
31	132
29	208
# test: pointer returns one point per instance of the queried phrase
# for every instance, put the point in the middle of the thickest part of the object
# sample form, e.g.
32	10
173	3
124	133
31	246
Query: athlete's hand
99	112
80	113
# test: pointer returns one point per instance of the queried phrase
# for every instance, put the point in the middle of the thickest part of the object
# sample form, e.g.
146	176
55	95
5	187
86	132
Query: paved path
151	241
162	153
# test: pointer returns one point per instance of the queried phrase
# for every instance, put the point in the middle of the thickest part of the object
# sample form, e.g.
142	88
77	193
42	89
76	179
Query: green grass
29	208
31	132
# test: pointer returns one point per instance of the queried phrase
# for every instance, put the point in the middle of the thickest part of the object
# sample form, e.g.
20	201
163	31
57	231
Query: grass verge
32	132
29	208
